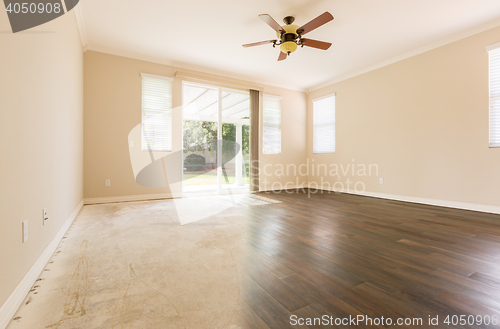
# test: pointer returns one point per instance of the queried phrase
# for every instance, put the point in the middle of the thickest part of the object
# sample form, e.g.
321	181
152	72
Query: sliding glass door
215	139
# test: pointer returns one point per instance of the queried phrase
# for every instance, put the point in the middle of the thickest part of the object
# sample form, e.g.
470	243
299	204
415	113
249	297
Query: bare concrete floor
133	265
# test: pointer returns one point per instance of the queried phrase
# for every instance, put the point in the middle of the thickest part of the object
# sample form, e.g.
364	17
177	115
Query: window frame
493	48
334	95
170	80
279	98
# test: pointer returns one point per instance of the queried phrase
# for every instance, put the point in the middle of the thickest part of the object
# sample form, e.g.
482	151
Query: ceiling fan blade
282	56
315	23
259	43
271	22
316	44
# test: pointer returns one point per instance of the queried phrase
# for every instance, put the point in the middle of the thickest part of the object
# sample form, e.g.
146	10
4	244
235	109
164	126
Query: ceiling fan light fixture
288	47
290	36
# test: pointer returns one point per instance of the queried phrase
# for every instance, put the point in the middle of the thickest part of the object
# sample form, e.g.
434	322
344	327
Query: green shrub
194	162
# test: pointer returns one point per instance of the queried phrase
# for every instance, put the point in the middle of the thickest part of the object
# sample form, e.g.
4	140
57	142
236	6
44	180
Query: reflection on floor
194	209
257	263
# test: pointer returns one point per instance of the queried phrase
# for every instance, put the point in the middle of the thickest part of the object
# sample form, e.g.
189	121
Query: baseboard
432	202
131	198
11	305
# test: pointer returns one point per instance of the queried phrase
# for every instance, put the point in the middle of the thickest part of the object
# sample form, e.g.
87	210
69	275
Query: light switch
25	231
45	215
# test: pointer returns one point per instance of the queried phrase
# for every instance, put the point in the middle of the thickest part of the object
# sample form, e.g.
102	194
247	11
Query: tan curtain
254	140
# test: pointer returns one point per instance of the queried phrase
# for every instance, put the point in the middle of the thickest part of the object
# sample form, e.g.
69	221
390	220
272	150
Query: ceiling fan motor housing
288	20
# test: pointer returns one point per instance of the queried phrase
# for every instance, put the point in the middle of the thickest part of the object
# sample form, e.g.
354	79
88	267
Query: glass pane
200	128
235	129
200	107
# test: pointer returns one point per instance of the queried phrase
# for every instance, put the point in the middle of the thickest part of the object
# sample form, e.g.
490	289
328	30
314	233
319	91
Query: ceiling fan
290	35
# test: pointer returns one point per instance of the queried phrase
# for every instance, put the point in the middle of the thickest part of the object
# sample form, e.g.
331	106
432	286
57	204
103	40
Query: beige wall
423	121
41	129
293	143
112	89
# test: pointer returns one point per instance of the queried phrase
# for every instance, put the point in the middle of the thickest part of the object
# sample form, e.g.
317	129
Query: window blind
324	125
494	82
156	114
271	130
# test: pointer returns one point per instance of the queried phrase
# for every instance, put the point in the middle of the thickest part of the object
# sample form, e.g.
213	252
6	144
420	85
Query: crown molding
121	53
81	26
189	67
456	37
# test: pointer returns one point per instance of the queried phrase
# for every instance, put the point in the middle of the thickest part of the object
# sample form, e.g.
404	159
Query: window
156	113
324	124
494	82
271	116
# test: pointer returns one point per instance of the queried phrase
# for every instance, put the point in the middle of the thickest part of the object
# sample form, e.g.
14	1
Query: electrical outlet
45	215
381	180
107	182
25	231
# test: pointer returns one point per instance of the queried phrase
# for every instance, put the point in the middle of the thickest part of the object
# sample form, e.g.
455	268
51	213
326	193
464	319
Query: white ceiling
207	35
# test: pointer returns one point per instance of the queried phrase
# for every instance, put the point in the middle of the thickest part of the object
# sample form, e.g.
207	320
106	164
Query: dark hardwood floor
344	255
